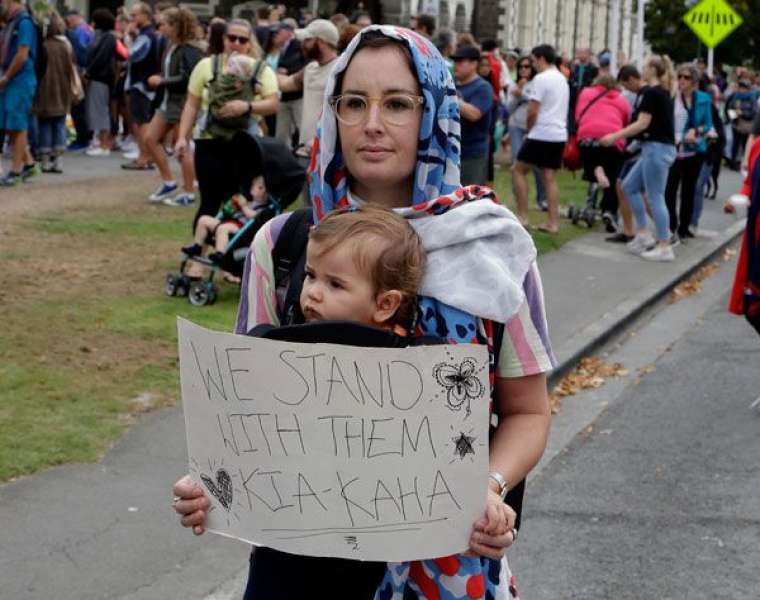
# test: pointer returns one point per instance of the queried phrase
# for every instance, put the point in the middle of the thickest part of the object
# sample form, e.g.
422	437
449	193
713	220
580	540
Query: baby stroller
610	160
284	178
588	212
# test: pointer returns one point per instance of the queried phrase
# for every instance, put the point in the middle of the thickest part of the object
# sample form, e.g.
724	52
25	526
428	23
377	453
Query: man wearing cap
290	60
319	40
475	104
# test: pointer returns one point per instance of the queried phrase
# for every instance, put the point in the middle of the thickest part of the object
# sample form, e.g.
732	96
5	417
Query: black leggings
223	168
611	161
684	171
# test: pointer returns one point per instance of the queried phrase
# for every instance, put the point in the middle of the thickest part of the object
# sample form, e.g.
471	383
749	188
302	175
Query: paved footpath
107	530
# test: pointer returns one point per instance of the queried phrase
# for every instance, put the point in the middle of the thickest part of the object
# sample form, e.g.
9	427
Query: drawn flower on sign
460	382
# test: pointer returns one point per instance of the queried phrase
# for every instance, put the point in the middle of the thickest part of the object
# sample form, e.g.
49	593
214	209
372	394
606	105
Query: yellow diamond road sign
712	21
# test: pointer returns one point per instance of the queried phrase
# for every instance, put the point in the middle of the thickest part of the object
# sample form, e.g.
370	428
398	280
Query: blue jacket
700	118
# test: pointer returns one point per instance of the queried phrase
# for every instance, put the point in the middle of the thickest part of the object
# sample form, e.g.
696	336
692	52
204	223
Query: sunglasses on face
525	66
686	77
237	39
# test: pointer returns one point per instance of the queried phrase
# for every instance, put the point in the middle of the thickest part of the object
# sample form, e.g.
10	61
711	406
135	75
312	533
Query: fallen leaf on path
591	372
693	285
728	254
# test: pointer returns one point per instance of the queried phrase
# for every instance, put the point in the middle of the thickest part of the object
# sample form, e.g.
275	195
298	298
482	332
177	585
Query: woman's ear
386	305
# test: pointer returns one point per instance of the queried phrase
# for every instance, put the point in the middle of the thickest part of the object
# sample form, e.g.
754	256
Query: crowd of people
139	81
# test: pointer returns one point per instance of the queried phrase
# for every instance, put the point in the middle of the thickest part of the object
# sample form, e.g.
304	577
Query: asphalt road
660	496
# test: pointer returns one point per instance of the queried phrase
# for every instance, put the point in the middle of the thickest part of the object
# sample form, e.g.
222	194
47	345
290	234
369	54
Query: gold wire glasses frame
395	109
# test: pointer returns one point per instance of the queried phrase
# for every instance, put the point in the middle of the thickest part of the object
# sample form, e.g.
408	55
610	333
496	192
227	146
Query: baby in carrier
235	213
365	266
235	82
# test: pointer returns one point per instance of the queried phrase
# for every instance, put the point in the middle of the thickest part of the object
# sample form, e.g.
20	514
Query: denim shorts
16	104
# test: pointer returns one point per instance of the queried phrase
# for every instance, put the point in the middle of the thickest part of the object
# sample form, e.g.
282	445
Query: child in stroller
282	179
235	213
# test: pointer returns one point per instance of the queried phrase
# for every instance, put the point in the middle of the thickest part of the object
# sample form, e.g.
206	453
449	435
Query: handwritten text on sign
330	450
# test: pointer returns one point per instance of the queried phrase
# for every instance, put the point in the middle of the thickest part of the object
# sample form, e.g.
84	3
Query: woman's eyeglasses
239	39
395	109
684	76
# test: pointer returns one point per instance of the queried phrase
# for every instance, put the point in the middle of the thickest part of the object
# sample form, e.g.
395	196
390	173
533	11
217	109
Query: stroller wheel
198	295
183	285
576	216
589	216
171	284
211	291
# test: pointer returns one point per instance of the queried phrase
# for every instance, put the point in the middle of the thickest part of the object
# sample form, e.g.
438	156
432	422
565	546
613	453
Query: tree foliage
666	33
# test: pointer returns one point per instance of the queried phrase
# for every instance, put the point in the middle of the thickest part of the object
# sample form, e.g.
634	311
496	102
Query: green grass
93	330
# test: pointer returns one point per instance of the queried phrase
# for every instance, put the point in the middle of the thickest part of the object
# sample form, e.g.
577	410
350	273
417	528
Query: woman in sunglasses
693	124
217	159
517	105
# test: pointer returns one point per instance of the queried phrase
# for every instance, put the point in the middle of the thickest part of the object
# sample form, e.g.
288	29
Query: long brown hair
184	22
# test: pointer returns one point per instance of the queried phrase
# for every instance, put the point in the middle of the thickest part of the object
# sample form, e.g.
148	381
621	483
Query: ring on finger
176	499
514	535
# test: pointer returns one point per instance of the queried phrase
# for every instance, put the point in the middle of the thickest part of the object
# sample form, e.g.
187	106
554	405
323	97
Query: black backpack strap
289	260
515	495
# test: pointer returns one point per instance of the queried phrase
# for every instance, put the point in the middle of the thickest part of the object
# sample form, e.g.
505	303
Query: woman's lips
374	152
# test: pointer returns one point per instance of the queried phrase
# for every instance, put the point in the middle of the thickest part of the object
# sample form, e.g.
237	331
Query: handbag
77	89
571	155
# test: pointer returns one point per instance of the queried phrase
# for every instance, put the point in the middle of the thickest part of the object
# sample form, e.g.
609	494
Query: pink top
607	115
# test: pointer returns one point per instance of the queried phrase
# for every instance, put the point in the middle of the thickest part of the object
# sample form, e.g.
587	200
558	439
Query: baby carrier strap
289	260
343	333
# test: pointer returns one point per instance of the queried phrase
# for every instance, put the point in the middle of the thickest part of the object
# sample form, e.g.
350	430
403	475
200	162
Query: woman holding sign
389	135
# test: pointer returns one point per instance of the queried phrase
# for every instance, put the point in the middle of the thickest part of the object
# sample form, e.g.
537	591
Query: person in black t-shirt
655	129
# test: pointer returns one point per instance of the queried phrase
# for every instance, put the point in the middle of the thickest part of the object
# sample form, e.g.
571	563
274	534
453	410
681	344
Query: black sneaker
193	250
619	238
216	257
610	223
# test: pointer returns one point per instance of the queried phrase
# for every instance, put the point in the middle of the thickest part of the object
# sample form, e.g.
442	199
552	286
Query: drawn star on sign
463	445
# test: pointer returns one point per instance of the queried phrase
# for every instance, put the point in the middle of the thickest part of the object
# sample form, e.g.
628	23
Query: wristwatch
498	478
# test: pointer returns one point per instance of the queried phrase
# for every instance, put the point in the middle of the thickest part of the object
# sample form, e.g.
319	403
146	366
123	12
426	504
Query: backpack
40	52
289	260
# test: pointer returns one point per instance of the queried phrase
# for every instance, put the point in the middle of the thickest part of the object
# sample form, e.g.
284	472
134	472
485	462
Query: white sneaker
660	253
131	154
640	244
698	232
98	152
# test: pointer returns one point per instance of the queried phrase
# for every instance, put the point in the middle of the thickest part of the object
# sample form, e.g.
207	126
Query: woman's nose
373	122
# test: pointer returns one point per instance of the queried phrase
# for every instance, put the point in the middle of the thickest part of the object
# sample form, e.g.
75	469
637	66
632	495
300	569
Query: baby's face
259	191
335	289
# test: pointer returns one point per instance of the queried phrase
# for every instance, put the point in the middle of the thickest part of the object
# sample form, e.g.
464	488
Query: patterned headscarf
436	189
438	147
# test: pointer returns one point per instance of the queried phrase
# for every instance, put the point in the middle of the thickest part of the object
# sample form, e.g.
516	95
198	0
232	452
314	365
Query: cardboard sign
331	450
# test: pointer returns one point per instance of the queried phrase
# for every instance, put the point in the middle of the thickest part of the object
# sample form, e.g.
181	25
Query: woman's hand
690	137
191	503
234	108
608	140
154	81
493	534
180	147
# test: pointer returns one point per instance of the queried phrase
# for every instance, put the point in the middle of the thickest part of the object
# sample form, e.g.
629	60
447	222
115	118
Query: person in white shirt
548	100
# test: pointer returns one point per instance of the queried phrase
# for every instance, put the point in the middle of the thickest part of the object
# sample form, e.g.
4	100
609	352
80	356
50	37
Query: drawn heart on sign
221	489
